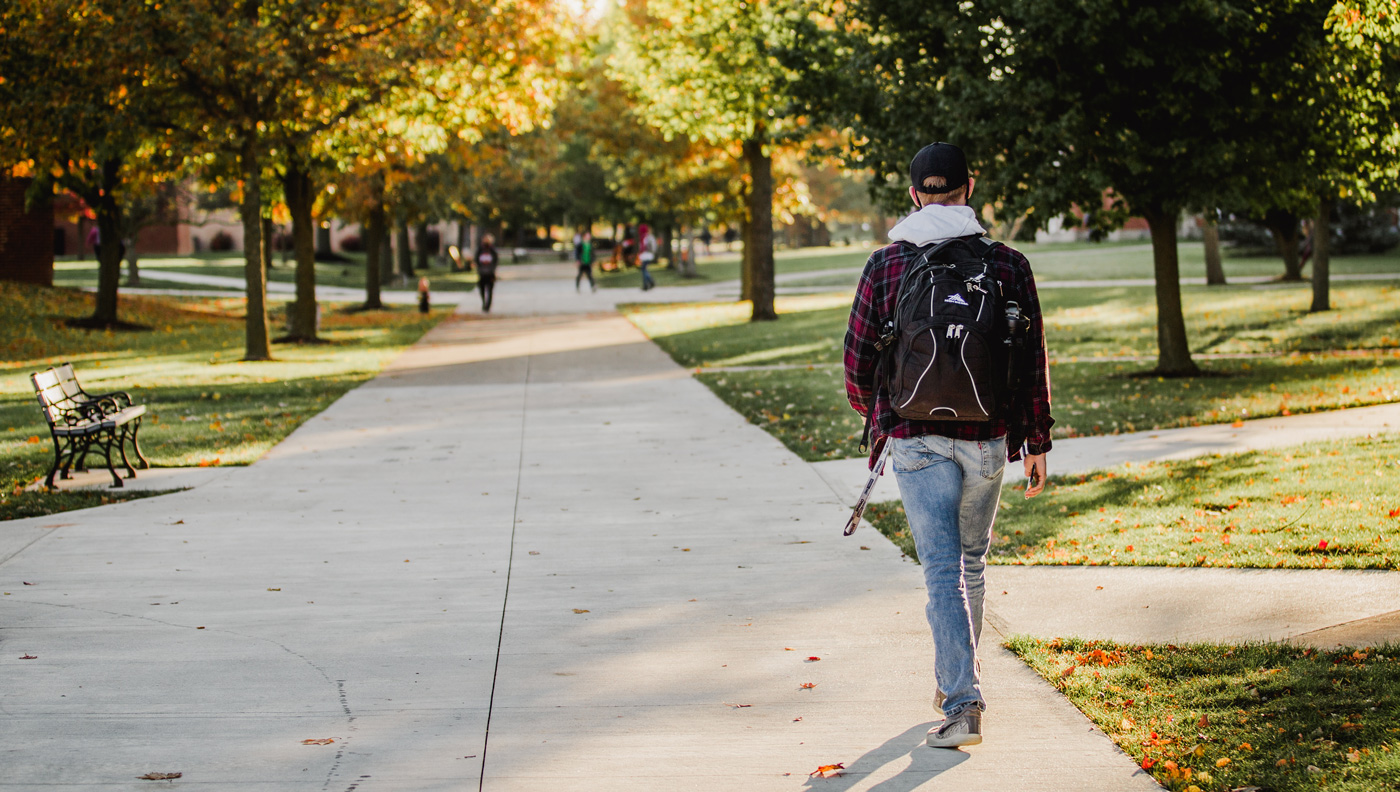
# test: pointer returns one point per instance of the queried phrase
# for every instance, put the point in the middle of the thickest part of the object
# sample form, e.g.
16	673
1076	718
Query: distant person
486	259
950	435
705	239
646	245
585	261
578	244
729	236
423	294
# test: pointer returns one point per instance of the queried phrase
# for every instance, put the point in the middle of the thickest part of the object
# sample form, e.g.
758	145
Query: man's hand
1035	474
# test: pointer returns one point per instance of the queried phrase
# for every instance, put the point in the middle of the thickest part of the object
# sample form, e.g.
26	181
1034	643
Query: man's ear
914	196
971	182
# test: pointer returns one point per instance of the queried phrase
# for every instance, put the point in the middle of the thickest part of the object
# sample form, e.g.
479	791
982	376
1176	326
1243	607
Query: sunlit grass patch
1215	718
1332	505
205	405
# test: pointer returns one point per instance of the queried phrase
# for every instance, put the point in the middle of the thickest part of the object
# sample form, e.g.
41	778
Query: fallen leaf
788	649
1147	654
1314	769
737	706
582	610
798	718
1395	512
29	657
199	628
1126	725
33	439
807	685
813	659
1354	756
1222	761
534	552
1203	722
863	547
321	741
178	522
1148	762
159	776
274	589
1322	545
828	771
27	583
1237	424
1068	671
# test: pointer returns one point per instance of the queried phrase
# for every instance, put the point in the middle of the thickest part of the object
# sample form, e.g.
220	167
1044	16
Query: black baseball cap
938	159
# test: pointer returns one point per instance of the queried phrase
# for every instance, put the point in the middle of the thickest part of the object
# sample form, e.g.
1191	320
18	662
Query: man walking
949	471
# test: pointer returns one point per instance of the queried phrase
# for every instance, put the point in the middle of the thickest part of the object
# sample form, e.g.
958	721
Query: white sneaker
965	728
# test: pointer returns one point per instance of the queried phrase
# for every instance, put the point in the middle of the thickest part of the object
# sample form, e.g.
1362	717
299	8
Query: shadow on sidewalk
924	764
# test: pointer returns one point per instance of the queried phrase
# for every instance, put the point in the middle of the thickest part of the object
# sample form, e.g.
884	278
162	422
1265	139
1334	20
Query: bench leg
136	445
121	446
57	461
107	456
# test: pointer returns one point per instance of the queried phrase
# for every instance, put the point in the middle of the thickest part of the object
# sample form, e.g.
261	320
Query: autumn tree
708	69
275	80
80	105
1161	108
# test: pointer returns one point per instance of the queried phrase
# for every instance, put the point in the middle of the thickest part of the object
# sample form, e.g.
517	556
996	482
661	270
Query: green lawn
725	267
349	274
206	407
1330	505
1059	262
1209	718
1099	339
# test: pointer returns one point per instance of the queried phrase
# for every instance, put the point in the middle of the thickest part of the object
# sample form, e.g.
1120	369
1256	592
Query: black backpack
946	353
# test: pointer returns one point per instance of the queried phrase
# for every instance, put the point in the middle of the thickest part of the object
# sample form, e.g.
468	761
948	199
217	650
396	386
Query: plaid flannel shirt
874	305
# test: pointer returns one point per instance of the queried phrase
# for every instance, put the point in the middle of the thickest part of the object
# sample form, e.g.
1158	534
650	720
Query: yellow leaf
581	610
1222	761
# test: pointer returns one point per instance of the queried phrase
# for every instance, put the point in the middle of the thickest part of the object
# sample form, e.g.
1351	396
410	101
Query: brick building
26	237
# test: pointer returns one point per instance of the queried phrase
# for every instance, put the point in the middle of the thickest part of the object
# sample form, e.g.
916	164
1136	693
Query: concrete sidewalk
533	554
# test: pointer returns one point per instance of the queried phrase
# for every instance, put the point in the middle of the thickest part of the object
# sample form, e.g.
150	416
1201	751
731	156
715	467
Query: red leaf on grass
1322	545
1395	512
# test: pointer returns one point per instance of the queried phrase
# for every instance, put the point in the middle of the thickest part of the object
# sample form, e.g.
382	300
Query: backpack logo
956	299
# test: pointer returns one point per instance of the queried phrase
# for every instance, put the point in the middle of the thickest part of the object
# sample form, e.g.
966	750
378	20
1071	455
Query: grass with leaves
725	267
1211	718
205	405
1327	505
786	375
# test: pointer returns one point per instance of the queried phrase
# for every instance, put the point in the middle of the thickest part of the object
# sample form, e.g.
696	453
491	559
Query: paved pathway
533	554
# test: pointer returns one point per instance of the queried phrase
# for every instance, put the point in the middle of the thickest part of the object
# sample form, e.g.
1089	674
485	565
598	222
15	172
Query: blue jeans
951	489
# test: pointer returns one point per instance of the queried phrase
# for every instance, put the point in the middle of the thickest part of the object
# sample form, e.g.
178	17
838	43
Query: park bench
81	422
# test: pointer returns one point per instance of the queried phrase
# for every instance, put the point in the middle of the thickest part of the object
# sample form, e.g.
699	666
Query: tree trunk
421	235
109	253
257	346
1284	227
268	237
404	255
760	226
323	241
664	247
1215	271
374	245
1322	257
301	196
745	251
133	267
1173	353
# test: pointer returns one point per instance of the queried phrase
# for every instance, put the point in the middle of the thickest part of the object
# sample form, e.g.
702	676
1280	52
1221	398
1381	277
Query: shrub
221	242
352	244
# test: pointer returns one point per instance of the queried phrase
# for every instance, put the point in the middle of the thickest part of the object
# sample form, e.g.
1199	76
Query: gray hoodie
935	223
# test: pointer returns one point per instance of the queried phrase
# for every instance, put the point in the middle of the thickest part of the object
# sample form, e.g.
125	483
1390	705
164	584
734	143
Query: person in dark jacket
486	260
950	472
